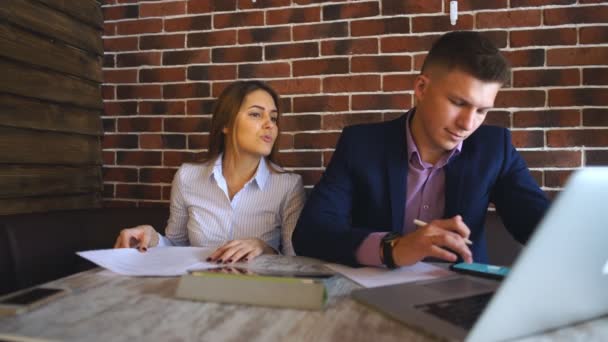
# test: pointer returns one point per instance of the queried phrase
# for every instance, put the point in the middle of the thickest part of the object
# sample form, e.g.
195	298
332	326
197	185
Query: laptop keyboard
462	312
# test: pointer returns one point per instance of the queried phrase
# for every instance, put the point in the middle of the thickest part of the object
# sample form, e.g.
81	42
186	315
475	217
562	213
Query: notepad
157	261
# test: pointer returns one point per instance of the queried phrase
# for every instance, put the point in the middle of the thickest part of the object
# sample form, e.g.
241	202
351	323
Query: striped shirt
202	214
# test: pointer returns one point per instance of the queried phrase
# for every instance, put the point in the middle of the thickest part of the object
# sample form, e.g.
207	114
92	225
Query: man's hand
439	239
240	250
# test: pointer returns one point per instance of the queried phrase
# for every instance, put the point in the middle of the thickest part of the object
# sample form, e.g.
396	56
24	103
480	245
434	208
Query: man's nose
466	119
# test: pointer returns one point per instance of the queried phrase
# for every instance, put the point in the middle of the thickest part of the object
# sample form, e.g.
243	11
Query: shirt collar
260	178
413	153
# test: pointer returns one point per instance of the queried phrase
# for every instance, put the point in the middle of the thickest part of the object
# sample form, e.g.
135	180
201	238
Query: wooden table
104	306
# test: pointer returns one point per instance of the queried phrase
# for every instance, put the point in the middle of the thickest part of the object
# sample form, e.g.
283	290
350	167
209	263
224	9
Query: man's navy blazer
364	186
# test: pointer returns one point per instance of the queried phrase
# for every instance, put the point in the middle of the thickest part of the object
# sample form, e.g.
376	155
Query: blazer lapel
454	185
397	171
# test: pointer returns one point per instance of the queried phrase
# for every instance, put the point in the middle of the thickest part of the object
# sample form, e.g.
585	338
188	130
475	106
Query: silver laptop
560	277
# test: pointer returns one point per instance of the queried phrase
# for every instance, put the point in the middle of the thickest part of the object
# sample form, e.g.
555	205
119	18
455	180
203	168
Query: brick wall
338	63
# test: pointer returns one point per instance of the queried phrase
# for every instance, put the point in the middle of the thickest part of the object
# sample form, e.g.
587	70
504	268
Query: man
433	164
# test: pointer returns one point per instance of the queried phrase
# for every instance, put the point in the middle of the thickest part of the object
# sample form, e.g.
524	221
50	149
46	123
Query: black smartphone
267	273
481	270
25	300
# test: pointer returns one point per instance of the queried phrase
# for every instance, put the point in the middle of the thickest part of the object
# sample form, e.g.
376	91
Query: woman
237	200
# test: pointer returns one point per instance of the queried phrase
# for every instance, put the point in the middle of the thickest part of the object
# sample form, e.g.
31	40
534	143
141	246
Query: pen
421	223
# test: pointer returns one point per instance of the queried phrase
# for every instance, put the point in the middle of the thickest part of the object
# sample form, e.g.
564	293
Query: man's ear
225	130
421	84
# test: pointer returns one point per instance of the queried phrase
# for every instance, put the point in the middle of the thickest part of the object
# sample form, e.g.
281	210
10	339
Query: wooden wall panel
41	204
88	12
27	181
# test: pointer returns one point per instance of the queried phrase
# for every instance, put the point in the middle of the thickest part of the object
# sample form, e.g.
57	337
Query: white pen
421	223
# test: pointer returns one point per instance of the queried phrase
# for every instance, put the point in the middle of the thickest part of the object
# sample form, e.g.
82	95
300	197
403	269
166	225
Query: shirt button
425	207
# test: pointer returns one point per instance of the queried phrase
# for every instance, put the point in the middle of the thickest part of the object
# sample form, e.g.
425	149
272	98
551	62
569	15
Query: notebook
558	279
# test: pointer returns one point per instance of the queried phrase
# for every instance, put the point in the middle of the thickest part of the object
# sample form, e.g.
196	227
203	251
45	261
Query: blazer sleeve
519	201
324	230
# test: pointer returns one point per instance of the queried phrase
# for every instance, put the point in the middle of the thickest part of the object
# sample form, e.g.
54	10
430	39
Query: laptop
560	277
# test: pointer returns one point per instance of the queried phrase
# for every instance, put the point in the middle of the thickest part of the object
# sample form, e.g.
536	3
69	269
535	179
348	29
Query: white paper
157	261
379	276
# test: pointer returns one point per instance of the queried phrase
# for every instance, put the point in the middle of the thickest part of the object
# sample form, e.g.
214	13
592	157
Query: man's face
450	106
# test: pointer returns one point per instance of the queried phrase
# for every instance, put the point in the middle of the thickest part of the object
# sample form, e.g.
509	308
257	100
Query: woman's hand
240	250
140	237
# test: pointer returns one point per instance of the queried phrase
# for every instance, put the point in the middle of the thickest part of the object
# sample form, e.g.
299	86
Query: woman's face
256	125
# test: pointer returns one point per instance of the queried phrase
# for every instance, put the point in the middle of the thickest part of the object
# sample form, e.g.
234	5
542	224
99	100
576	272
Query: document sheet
380	276
157	261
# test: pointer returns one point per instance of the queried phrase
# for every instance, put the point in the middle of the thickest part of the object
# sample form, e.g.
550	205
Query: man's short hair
470	52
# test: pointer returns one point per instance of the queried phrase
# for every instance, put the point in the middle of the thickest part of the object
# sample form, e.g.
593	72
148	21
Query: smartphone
266	273
28	299
481	270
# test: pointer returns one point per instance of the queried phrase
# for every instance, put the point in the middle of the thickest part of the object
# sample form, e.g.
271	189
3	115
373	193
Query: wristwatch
387	243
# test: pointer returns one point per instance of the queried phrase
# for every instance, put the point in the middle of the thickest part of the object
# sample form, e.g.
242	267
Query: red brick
138	158
248	4
320	66
286	51
238	19
546	77
392	7
285	142
575	15
556	179
499	118
162	9
166	192
526	58
204	6
476	5
198	107
108	157
122	141
381	101
381	63
108	191
520	98
268	34
398	82
509	19
162	75
296	86
186	57
156	175
577	56
593	34
407	43
528	138
134	124
120	44
108	92
595	76
316	140
138	59
198	141
186	90
350	10
294	123
109	29
151	192
120	12
120	108
139	26
162	141
198	23
562	36
348	84
236	54
218	87
327	157
187	124
266	70
349	46
310	177
536	3
339	121
552	158
293	15
166	41
177	158
577	137
597	157
320	104
372	27
119	174
212	38
109	61
595	117
212	72
318	31
109	125
161	107
419	61
441	23
120	76
547	118
300	159
138	91
578	97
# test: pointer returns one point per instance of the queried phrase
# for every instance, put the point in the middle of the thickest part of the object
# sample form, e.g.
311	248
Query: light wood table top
104	306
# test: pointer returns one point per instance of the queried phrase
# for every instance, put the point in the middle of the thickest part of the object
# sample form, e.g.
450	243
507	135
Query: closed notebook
275	291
